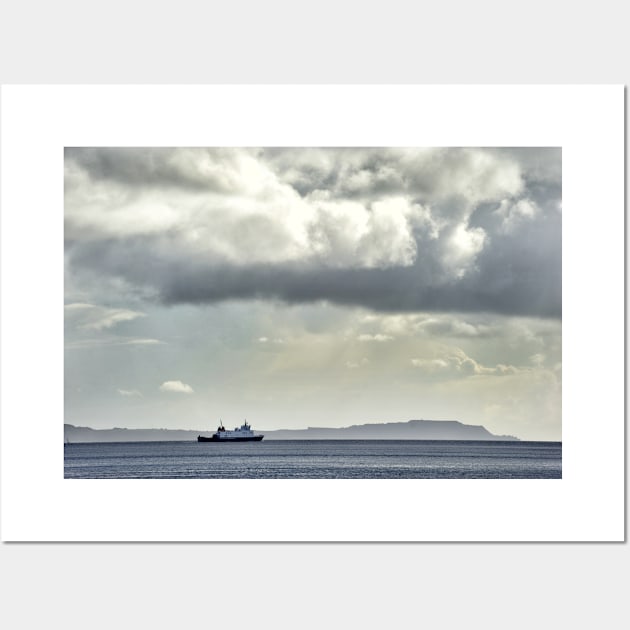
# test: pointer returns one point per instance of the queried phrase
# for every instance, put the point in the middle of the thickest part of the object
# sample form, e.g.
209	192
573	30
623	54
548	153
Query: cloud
453	363
353	365
388	229
461	248
129	392
432	324
377	337
96	318
272	228
176	387
112	341
436	174
276	340
218	170
513	214
142	342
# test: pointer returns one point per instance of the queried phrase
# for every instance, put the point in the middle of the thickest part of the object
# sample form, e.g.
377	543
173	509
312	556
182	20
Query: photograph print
313	313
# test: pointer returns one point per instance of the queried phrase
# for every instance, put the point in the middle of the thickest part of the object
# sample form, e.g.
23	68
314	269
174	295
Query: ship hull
214	438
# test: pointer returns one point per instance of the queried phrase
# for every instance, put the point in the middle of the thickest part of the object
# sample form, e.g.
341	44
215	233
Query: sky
326	287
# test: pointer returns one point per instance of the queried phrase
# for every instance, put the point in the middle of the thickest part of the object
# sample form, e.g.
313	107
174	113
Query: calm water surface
315	459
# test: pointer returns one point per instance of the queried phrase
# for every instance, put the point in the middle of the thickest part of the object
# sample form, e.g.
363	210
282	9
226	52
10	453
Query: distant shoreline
435	430
186	441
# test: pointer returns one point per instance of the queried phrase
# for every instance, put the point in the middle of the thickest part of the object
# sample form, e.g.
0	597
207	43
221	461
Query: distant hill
86	434
411	430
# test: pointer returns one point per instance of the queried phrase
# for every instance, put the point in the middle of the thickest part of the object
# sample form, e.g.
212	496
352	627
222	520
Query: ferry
243	433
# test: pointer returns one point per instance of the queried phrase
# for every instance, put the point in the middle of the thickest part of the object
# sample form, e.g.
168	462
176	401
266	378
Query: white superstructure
243	433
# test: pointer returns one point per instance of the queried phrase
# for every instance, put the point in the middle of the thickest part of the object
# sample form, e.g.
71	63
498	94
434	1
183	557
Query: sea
314	459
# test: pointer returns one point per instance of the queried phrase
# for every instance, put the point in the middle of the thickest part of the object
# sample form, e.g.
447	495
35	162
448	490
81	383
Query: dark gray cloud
517	278
468	230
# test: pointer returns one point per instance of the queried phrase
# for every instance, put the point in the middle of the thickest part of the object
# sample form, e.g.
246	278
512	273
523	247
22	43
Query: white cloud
92	317
176	387
430	325
430	365
471	175
454	362
275	340
141	342
112	341
377	337
353	234
353	365
275	227
129	392
230	204
460	249
513	214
